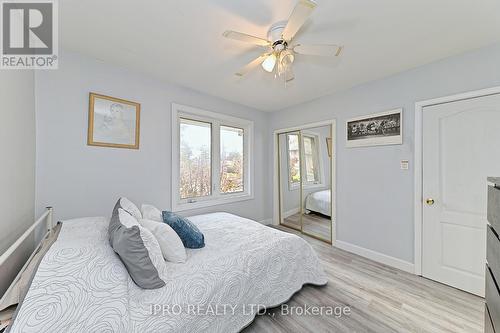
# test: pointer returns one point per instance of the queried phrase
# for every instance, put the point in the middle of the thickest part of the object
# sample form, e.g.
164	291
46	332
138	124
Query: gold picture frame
113	122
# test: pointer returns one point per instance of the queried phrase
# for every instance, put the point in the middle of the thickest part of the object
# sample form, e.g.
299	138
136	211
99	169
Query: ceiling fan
280	46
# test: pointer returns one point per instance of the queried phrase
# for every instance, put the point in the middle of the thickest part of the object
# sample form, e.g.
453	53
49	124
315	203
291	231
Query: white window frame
217	120
318	158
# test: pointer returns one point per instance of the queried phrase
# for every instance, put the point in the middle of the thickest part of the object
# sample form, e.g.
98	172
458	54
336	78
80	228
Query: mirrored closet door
305	181
316	203
290	173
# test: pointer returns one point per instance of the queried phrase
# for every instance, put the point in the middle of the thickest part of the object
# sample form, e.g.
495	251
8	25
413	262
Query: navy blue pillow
190	235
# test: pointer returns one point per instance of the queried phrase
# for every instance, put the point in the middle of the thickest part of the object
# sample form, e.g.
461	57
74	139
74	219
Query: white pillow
126	219
154	250
150	212
130	208
171	245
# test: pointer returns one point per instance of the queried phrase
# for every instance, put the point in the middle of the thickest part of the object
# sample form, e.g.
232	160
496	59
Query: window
311	159
293	158
310	147
211	156
195	159
231	159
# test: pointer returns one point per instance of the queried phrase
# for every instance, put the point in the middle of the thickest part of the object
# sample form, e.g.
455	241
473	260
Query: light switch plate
405	164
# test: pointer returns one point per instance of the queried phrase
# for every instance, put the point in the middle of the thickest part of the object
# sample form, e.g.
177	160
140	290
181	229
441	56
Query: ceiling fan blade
245	38
245	69
323	50
298	17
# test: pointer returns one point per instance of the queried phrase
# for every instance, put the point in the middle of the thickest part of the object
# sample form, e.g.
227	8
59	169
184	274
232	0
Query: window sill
314	185
179	207
306	186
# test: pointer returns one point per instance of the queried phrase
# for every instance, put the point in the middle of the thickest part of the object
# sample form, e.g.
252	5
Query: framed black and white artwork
384	128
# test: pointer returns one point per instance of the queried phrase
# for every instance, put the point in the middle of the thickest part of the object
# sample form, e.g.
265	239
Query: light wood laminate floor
313	223
382	299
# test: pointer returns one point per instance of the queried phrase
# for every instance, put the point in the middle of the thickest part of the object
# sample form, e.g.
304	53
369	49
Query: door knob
430	201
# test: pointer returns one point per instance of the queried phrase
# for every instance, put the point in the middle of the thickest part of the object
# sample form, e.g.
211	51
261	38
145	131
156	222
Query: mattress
82	286
320	202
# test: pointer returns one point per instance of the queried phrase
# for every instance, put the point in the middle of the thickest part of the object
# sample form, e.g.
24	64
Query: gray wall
80	180
17	168
17	147
375	197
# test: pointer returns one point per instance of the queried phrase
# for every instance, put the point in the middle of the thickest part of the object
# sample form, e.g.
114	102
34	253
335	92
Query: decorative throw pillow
137	248
129	206
171	245
150	212
190	235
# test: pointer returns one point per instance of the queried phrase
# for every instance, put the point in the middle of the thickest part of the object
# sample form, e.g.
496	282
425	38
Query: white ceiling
181	41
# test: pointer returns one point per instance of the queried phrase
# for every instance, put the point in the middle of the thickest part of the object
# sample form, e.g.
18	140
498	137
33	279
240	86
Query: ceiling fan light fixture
287	57
269	63
280	46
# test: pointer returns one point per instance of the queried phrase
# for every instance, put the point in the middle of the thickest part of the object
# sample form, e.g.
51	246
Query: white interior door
460	149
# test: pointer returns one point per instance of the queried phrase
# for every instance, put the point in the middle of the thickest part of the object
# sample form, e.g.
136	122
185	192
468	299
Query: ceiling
181	41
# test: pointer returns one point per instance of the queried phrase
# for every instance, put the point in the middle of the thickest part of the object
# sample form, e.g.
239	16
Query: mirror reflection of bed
305	181
317	214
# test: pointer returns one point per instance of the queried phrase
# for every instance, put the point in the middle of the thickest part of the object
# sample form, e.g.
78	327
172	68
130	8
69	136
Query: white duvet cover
320	202
82	286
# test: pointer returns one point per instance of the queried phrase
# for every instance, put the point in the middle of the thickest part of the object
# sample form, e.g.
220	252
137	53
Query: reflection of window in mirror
310	144
293	160
311	159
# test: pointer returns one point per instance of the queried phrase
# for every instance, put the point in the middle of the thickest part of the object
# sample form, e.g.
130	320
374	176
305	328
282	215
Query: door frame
276	174
418	157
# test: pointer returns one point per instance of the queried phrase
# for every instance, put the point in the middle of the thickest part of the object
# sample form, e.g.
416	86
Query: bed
82	286
320	202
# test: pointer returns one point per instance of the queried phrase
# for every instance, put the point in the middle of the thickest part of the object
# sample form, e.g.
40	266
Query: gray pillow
137	248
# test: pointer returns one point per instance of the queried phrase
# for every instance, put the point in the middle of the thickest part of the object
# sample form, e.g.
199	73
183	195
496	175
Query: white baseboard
266	221
376	256
291	212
